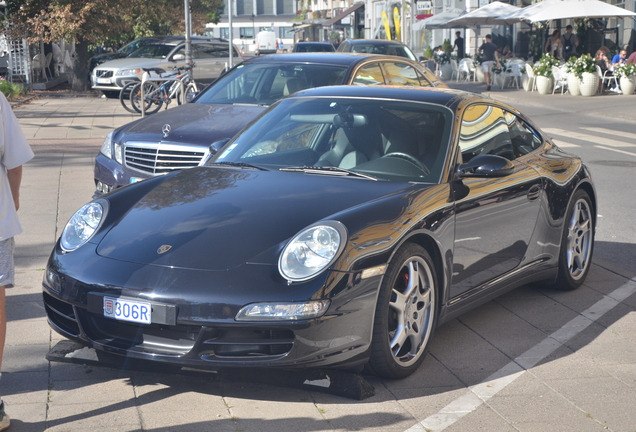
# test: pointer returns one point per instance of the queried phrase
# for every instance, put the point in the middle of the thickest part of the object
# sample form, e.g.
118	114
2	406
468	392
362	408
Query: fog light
52	280
100	186
283	311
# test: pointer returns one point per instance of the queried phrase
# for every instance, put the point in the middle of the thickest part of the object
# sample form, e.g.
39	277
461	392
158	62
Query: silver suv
210	56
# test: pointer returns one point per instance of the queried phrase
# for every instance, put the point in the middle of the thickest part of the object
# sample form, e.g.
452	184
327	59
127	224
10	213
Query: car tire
405	315
577	243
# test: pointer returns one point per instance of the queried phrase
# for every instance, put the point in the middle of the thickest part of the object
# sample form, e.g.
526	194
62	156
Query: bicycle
159	93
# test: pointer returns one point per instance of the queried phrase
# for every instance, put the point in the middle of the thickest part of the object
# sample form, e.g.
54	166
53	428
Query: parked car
377	46
180	137
211	57
121	52
338	230
314	47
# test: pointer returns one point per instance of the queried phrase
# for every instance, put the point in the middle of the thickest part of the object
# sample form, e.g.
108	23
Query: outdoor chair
531	77
465	70
605	78
514	73
559	80
455	70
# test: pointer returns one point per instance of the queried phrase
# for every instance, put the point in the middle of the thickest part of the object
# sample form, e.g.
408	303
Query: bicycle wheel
152	98
124	97
182	97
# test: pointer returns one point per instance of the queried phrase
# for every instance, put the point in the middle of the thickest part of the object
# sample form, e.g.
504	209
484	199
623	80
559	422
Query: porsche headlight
312	250
107	146
82	226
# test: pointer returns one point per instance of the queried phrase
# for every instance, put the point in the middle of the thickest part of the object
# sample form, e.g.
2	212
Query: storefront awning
352	9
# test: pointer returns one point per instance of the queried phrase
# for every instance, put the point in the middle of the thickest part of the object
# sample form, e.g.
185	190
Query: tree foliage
111	21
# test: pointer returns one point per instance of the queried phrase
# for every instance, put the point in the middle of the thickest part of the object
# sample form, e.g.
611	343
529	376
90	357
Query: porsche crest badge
163	249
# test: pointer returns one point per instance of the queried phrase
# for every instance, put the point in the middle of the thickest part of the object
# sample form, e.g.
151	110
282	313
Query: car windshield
388	49
382	139
265	83
153	51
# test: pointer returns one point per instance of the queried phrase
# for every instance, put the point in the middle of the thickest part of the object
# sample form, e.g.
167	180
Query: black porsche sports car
338	229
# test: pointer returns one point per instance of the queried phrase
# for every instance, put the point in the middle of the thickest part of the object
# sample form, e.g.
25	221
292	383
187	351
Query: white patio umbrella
484	16
438	20
563	9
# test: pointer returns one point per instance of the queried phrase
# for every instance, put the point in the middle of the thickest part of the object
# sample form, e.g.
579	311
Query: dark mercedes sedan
180	137
338	230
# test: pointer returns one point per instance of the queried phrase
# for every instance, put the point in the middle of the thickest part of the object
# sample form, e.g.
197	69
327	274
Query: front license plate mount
134	310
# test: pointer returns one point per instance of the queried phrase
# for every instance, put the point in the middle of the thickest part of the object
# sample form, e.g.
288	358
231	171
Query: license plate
103	81
127	310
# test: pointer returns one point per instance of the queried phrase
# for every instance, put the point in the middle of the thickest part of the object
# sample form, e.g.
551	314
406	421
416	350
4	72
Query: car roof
333	58
175	40
314	43
374	42
439	96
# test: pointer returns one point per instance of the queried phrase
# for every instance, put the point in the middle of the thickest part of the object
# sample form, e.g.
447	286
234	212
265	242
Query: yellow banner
387	27
396	21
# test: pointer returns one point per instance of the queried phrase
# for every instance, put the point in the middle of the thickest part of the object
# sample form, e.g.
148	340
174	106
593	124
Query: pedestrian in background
459	44
491	55
14	152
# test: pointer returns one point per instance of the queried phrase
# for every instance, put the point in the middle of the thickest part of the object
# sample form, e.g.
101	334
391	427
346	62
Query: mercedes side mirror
190	96
486	166
216	146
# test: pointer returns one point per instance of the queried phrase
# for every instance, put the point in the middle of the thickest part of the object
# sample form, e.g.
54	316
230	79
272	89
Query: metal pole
188	32
231	45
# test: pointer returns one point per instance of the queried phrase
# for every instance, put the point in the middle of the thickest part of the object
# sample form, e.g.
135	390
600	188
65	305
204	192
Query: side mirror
486	166
190	96
423	58
216	146
178	57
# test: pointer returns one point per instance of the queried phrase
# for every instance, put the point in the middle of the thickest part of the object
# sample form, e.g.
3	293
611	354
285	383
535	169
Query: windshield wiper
240	165
328	170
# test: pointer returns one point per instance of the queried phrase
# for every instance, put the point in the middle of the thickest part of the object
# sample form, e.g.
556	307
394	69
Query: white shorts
486	66
7	268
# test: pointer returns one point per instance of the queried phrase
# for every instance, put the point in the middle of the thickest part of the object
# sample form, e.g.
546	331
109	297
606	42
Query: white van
265	43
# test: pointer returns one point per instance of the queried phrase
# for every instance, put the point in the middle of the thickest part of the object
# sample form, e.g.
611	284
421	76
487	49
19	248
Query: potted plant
479	73
572	78
443	64
626	75
585	70
543	73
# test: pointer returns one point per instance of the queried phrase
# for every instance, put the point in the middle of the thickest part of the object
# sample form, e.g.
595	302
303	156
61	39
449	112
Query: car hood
193	123
216	218
136	62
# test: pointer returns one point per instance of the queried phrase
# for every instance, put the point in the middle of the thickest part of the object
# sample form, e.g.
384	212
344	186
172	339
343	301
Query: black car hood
193	123
214	218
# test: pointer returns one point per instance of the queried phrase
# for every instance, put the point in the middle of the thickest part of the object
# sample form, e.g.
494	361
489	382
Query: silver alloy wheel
411	311
579	240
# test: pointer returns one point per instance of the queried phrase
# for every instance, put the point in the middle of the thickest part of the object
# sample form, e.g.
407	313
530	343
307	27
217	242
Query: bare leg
487	76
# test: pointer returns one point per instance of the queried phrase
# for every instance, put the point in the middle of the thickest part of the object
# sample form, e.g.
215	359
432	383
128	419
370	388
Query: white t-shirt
14	152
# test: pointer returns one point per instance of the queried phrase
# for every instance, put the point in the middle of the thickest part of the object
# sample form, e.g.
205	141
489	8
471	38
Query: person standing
491	56
553	45
569	43
14	152
459	44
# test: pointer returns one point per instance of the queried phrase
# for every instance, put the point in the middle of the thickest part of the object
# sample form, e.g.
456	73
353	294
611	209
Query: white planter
628	85
544	85
573	85
589	84
479	73
446	70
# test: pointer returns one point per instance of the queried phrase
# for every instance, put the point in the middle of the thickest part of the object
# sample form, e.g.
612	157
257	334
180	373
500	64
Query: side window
369	75
484	130
523	137
206	51
423	81
400	74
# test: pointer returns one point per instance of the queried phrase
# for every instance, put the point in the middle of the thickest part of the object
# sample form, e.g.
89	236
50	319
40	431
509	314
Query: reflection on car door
496	219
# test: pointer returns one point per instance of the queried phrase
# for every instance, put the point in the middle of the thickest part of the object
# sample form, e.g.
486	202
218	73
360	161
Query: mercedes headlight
82	226
127	72
312	250
107	146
